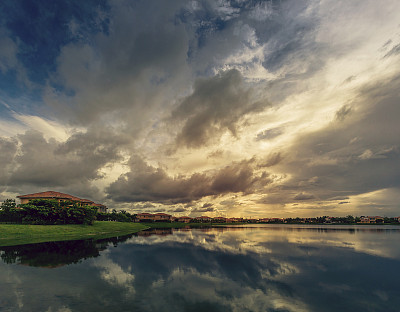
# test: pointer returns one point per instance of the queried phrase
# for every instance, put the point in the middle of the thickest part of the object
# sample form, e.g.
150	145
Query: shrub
46	211
7	205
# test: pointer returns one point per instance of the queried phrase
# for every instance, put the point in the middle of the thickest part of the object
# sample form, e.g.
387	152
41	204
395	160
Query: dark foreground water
270	268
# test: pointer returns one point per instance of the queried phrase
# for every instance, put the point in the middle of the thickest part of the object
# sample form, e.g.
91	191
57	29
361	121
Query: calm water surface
267	268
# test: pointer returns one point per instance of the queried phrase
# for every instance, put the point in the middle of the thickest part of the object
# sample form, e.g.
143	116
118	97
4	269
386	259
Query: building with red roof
60	197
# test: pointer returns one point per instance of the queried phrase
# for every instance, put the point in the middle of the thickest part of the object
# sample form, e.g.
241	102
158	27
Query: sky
219	108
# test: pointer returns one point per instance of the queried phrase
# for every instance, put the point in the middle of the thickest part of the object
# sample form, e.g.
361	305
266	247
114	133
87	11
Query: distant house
219	219
203	219
61	197
371	219
157	217
377	219
252	220
145	217
184	219
162	217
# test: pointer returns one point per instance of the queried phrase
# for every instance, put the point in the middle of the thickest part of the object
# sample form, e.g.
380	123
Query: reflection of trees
55	254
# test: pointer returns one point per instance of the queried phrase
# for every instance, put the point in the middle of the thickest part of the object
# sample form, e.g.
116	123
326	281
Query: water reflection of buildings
161	232
316	228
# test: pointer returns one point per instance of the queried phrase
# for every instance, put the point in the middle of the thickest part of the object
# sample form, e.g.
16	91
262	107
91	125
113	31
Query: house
376	219
157	217
184	219
61	197
203	219
145	217
219	219
371	219
251	220
162	217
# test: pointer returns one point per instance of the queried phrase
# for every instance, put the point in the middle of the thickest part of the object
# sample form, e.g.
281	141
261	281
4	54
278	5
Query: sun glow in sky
224	108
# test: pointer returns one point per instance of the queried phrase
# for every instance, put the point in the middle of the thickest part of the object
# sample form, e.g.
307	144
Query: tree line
50	211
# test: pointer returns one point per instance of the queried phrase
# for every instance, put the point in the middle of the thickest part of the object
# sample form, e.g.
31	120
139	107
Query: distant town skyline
237	108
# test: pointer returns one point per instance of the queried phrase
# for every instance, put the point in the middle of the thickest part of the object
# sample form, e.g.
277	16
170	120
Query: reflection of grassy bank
178	225
18	234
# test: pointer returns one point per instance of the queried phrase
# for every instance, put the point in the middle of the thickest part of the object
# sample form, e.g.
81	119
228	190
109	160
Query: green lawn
18	234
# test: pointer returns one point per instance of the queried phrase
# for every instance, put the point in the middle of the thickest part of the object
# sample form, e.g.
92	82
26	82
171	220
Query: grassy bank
18	234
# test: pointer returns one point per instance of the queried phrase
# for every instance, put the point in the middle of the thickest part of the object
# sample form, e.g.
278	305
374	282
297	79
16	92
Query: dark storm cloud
147	183
122	69
49	163
344	111
180	209
216	106
269	134
207	207
303	196
294	43
395	50
271	160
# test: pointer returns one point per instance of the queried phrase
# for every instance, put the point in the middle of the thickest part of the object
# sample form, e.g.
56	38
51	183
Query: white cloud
115	275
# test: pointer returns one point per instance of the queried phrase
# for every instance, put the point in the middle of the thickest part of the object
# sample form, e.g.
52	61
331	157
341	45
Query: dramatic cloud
147	183
170	106
338	155
31	160
216	106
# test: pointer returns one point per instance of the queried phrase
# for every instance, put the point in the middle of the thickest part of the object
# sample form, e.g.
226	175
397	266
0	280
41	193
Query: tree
8	204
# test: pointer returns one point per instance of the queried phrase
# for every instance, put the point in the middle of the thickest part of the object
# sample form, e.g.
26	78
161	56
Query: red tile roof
58	195
51	194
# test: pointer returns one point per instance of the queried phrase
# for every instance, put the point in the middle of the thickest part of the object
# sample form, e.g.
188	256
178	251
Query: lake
252	268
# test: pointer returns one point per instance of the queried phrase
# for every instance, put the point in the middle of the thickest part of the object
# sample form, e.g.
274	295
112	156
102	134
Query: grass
19	234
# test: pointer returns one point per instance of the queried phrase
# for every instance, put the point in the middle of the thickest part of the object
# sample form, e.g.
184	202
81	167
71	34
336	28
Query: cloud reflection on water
272	268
